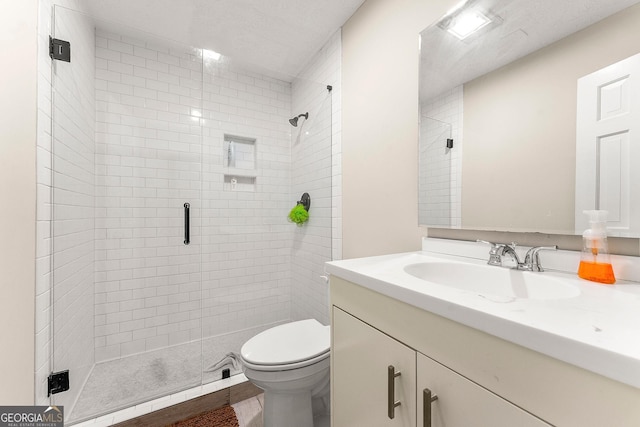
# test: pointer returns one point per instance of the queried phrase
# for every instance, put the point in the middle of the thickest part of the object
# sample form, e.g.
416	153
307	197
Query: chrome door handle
427	398
391	391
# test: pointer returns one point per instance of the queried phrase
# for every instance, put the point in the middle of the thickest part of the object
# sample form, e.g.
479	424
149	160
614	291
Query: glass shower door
126	185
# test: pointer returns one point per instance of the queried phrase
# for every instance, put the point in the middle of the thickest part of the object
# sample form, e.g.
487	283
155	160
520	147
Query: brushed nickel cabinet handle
391	391
427	398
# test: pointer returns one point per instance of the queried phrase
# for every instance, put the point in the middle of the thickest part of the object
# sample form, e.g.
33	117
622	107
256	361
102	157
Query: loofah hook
305	201
300	212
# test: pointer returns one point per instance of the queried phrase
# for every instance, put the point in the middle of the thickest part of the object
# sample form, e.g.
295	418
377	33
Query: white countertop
598	330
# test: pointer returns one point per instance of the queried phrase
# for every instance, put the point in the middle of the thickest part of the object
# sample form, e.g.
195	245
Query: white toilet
290	363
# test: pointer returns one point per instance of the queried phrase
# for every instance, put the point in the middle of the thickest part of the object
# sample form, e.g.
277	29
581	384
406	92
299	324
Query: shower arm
294	121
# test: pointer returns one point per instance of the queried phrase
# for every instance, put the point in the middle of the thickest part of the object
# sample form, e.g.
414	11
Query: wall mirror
500	148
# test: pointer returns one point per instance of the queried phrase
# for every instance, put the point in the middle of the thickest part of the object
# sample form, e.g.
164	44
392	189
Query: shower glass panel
311	169
126	160
435	179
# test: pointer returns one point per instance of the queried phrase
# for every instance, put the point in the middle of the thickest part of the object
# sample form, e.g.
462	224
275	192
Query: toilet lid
289	343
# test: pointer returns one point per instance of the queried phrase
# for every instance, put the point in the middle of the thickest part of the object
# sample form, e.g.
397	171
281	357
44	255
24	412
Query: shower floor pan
122	383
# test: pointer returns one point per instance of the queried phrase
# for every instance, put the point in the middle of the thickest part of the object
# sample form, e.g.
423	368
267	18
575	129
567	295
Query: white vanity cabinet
360	374
479	379
368	361
462	403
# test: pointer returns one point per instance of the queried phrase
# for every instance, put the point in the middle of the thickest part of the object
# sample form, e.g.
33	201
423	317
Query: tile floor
249	413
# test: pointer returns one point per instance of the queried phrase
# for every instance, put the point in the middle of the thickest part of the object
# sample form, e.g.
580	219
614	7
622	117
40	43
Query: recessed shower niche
239	157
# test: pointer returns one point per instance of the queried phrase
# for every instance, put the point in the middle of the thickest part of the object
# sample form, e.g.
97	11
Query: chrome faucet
510	250
494	257
531	258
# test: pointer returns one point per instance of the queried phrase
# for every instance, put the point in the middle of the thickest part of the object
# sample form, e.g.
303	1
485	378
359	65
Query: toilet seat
289	346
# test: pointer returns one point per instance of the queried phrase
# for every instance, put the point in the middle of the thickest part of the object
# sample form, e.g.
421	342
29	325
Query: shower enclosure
439	158
173	170
434	175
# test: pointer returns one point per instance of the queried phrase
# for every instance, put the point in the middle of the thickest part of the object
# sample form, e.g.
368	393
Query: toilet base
292	398
287	409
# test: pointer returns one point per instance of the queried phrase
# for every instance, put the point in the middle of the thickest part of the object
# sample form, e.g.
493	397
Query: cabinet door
361	356
462	403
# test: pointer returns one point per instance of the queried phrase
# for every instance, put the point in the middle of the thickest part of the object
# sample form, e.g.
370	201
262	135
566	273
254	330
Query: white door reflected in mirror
608	145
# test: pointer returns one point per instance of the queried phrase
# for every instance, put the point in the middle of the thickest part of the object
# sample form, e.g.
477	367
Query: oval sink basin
503	284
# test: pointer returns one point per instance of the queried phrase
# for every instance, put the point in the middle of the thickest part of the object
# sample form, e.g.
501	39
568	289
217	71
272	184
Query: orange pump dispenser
594	262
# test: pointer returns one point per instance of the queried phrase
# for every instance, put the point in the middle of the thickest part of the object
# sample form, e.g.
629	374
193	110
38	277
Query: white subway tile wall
440	174
314	148
246	279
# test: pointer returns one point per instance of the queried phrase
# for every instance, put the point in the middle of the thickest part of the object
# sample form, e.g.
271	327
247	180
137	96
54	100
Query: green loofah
299	215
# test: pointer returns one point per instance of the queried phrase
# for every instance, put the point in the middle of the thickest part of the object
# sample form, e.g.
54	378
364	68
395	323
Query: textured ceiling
277	35
527	26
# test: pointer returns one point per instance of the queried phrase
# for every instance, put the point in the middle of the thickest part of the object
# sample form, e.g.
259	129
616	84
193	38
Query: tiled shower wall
441	181
246	236
315	168
65	267
148	149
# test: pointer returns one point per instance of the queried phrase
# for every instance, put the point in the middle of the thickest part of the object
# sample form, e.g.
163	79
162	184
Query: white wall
380	124
315	170
18	210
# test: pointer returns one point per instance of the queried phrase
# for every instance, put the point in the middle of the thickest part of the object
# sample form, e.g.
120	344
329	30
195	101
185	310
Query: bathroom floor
249	413
119	383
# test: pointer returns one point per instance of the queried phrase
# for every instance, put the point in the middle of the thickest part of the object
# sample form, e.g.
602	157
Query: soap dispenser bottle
594	262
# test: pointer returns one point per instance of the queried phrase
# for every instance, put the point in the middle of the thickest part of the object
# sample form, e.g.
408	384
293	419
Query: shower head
294	121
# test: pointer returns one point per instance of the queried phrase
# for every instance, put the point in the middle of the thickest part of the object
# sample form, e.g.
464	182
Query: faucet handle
494	258
532	257
494	246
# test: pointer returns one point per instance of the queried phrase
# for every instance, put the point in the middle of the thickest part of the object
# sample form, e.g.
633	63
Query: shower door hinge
58	382
59	49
